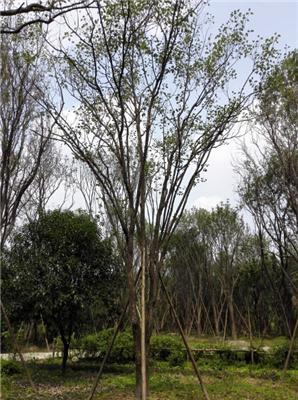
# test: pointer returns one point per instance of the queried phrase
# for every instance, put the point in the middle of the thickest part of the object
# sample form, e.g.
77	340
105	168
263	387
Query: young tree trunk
225	325
250	336
163	318
199	320
65	353
291	347
189	352
54	348
135	319
143	325
17	348
232	318
137	335
216	314
45	333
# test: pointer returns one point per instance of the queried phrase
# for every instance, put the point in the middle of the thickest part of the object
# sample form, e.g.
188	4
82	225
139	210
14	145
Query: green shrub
123	349
279	355
10	367
167	348
89	346
96	345
163	348
6	344
177	358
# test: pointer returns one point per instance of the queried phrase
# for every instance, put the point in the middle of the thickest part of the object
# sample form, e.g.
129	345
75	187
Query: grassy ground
239	382
210	342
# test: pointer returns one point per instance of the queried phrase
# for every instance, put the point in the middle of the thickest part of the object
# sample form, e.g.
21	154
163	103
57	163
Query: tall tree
269	176
229	233
148	85
54	176
25	128
277	117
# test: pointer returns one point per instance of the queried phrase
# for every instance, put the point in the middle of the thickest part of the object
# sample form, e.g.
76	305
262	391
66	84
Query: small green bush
167	348
123	349
6	342
89	346
10	367
96	345
279	355
177	358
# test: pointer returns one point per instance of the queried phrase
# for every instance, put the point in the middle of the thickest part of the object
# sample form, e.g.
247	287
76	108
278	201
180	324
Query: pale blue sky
269	17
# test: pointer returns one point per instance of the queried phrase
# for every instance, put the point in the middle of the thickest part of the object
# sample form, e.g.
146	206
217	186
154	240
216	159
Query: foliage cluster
57	267
167	348
10	367
162	347
97	345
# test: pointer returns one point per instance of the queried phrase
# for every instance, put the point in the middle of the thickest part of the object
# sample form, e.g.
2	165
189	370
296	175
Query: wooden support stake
17	348
290	348
189	352
107	354
45	333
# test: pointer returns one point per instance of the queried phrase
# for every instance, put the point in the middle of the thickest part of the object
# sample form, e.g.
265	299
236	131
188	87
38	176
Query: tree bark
232	318
291	347
216	315
65	353
143	324
135	318
45	333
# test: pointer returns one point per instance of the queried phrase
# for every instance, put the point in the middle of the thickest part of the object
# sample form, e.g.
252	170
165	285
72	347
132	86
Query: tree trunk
45	333
135	319
189	352
143	324
17	348
232	318
291	347
138	361
215	315
250	336
225	325
65	353
199	320
162	322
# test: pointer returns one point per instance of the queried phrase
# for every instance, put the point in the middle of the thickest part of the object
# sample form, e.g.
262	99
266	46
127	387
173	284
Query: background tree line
226	280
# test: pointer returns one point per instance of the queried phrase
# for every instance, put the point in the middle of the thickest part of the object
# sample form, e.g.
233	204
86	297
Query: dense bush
123	349
278	357
163	348
171	349
96	345
89	346
10	367
167	348
6	342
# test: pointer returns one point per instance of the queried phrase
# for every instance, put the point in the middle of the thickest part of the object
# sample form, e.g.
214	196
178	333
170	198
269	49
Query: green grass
239	382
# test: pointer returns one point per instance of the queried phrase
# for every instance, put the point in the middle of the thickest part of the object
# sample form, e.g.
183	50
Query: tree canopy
56	267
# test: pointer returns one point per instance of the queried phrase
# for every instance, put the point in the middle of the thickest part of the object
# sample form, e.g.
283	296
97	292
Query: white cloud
208	202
